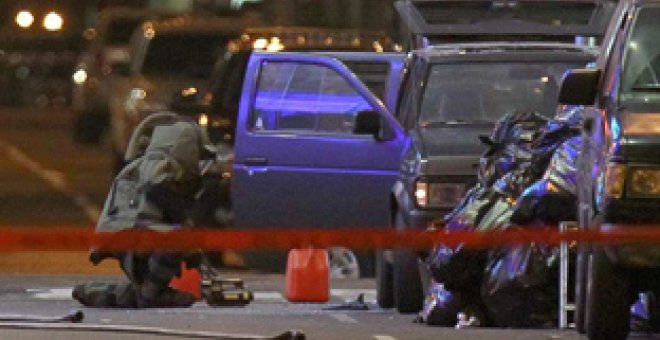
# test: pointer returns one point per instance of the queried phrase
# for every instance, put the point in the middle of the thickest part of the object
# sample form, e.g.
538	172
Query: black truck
619	169
472	62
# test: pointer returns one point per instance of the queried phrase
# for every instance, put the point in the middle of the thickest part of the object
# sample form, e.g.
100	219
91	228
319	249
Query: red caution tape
55	239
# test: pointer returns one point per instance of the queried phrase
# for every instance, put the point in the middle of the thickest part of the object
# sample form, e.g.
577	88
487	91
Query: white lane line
383	337
51	293
269	296
55	178
64	293
343	318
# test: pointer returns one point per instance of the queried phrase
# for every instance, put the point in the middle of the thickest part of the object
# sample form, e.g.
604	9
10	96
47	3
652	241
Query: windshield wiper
647	87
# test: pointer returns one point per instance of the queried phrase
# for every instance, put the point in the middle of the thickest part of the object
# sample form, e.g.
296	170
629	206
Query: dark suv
619	169
454	92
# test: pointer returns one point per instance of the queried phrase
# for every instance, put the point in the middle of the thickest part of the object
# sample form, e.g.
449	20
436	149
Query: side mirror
579	87
187	102
368	123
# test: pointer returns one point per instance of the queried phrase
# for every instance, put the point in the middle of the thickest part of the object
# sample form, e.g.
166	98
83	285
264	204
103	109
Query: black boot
154	295
106	295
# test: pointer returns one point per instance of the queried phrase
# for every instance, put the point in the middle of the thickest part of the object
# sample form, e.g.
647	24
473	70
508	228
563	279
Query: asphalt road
47	180
270	314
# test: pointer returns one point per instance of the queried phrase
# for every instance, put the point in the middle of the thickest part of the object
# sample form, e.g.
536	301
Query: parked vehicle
455	91
308	125
166	56
217	108
105	58
37	59
618	168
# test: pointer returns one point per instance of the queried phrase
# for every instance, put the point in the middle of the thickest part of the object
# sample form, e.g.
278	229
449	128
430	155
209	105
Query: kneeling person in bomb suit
153	192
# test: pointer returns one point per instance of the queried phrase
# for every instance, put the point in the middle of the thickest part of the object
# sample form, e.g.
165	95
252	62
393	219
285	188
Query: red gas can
307	278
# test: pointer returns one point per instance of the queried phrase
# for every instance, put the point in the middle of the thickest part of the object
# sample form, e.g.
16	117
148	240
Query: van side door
298	160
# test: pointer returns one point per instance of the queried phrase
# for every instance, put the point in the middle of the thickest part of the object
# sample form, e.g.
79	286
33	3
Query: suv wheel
343	263
384	281
408	294
608	299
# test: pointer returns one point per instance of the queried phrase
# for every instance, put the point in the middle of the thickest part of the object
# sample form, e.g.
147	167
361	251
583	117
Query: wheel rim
343	263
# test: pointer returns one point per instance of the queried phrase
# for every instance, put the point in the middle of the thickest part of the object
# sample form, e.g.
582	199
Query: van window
308	98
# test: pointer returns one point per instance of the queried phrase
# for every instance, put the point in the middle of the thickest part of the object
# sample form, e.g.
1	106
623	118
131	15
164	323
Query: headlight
79	77
24	19
53	21
438	195
614	180
203	120
645	182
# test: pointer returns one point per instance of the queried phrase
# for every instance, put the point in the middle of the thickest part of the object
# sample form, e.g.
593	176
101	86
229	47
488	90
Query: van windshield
640	86
484	92
183	55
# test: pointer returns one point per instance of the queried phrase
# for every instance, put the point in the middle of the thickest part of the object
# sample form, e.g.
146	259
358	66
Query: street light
53	21
24	19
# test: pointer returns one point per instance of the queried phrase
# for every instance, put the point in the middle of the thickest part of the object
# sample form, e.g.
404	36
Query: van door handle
256	161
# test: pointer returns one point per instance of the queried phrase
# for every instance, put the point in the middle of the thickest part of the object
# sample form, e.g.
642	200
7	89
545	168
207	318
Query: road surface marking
345	295
269	296
51	293
383	337
56	179
343	318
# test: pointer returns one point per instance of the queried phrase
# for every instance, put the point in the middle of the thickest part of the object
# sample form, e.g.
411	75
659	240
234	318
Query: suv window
306	98
187	55
483	92
640	87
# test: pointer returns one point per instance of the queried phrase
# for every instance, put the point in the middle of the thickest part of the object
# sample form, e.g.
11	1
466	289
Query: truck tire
407	283
384	281
408	294
608	299
654	310
581	264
